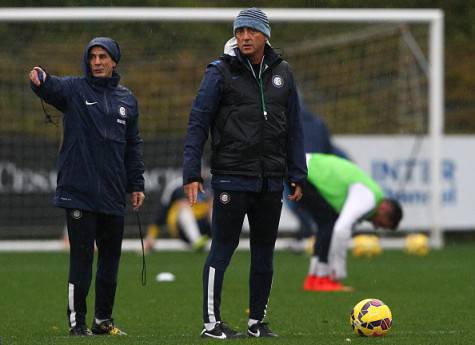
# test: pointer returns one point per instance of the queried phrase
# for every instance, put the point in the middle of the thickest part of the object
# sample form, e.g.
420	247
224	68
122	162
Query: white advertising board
388	160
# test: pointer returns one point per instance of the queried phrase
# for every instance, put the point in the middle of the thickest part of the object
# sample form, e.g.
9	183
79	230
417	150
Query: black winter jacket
249	134
244	143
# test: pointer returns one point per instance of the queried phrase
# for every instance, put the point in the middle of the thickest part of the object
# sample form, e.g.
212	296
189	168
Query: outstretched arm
53	90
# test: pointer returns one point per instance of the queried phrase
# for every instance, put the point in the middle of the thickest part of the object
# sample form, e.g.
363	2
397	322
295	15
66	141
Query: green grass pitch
432	299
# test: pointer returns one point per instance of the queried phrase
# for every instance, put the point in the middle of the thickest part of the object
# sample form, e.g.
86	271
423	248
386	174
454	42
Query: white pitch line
160	245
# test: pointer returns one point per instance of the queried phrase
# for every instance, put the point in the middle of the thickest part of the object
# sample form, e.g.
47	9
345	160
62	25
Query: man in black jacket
99	162
248	101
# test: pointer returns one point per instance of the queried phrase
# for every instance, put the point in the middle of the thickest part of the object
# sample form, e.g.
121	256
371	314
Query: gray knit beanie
253	18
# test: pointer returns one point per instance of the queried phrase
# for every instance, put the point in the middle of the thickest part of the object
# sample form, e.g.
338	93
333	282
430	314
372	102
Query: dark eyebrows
100	55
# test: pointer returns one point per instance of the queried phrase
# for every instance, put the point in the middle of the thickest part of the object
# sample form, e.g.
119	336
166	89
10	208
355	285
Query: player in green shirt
339	194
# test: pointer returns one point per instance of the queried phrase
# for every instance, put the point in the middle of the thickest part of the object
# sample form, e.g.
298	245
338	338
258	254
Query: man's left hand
136	199
297	192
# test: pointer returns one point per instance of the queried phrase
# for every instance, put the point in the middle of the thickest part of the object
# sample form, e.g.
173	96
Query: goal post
433	18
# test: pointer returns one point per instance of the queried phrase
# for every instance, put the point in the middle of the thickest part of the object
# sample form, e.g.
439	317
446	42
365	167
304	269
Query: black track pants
106	230
324	215
229	208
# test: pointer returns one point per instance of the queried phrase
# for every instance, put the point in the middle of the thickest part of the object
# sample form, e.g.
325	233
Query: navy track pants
229	208
85	228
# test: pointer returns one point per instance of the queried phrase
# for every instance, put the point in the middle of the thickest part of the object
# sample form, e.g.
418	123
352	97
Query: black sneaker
80	331
106	327
221	331
260	329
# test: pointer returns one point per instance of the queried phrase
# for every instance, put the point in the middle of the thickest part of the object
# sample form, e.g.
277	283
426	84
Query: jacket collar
111	82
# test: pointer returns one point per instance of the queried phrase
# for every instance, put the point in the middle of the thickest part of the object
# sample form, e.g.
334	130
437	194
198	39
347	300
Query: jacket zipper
106	102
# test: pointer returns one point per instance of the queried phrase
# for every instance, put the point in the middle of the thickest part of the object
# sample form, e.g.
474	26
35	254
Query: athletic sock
323	269
313	269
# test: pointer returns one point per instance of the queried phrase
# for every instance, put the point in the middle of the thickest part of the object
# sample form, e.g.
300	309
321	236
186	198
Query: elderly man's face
251	43
101	63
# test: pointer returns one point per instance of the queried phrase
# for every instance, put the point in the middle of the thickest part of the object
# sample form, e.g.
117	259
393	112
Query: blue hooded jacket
101	155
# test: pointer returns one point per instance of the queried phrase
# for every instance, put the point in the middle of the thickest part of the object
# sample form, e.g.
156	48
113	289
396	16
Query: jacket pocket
118	131
77	171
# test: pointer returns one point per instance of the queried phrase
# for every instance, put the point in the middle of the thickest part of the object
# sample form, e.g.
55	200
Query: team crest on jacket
76	214
123	112
224	198
277	81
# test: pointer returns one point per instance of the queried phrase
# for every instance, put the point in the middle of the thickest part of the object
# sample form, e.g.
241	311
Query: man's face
382	218
101	63
251	43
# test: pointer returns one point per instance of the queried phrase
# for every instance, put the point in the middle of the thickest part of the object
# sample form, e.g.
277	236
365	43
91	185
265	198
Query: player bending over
339	194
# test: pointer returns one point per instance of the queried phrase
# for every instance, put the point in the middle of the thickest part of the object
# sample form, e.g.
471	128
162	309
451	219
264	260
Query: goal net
365	76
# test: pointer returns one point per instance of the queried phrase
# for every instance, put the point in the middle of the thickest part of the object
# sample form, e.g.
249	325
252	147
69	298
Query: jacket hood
229	47
112	48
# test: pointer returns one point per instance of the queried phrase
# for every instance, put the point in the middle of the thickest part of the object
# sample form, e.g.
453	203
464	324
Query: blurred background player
175	217
339	194
317	139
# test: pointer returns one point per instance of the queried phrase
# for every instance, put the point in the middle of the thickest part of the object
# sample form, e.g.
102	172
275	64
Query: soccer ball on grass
366	246
416	244
371	318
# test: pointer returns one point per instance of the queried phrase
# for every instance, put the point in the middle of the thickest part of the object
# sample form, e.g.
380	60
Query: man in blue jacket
248	101
99	162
